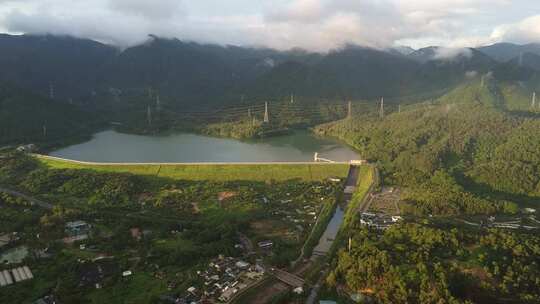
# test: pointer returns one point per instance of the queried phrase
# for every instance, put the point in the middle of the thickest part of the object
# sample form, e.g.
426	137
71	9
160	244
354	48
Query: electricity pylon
149	115
381	110
51	91
266	118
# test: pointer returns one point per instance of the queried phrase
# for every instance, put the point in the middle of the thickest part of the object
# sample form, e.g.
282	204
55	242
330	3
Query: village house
15	275
76	231
379	221
265	244
8	238
48	299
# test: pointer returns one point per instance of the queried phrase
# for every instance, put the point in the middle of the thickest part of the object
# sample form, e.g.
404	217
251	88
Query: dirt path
32	200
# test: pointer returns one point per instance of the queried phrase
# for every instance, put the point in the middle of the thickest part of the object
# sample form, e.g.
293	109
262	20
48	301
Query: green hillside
518	95
463	153
196	172
28	118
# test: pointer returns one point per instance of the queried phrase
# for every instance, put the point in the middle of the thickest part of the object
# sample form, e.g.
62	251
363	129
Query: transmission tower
349	109
158	104
149	115
292	98
381	110
533	102
266	119
399	108
51	91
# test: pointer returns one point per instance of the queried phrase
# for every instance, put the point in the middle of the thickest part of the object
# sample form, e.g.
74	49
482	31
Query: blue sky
311	24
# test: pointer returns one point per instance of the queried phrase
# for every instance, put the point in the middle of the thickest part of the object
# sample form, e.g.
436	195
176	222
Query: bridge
287	278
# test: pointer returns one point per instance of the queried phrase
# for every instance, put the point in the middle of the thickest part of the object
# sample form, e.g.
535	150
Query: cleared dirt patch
270	228
386	202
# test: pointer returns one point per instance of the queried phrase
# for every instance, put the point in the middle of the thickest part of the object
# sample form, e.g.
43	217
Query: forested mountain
191	74
29	118
529	60
351	72
450	154
507	51
74	67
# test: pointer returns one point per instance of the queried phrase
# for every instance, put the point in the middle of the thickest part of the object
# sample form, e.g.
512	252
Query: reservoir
112	146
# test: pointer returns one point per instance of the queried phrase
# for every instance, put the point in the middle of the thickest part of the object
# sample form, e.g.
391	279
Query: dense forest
415	263
462	153
29	118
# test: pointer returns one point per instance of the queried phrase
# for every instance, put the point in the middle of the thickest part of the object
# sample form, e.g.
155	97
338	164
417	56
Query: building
77	228
378	221
349	189
8	238
49	299
265	244
15	275
27	148
358	162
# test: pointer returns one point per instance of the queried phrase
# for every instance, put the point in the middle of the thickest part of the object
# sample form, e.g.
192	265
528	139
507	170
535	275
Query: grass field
217	172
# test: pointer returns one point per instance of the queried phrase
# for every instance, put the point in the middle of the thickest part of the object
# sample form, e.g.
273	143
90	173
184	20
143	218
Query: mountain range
192	74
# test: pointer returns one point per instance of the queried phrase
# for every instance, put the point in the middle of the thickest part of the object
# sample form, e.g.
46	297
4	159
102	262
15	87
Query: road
315	290
364	205
32	200
288	278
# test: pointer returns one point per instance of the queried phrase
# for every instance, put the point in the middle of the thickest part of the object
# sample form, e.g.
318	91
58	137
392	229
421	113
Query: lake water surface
111	146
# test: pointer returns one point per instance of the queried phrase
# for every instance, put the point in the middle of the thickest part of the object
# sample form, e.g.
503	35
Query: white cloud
527	30
150	9
471	74
311	24
446	53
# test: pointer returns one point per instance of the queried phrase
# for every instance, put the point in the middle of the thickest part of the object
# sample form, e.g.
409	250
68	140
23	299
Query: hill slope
27	118
190	73
450	155
505	51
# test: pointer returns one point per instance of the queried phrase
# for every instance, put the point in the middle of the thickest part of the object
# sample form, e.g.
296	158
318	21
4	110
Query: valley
179	172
